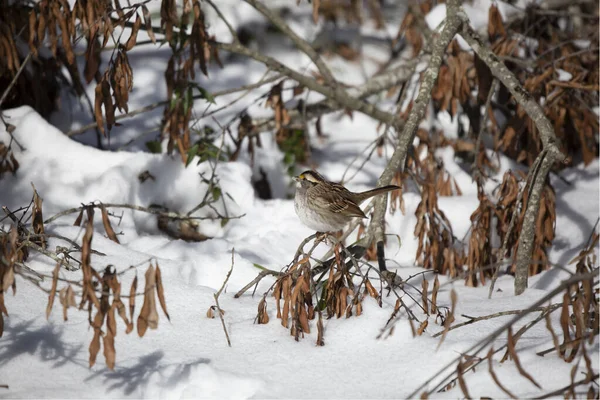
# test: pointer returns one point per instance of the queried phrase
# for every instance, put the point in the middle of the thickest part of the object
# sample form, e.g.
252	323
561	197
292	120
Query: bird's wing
335	201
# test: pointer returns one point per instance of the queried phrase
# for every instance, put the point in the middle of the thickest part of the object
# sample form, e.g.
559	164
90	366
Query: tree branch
546	158
406	137
300	43
337	94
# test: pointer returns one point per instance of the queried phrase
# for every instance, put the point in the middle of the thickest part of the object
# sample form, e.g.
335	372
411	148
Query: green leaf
322	303
205	94
224	222
191	153
154	146
188	100
216	193
259	266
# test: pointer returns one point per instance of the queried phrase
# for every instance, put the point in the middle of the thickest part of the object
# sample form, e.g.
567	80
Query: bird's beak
296	179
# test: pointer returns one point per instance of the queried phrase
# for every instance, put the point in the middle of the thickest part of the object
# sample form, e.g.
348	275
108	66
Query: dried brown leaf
134	31
52	290
148	23
148	317
79	218
422	327
263	315
449	317
95	343
160	291
98	101
513	353
424	287
38	219
434	293
320	330
315	10
132	291
372	291
107	226
493	374
461	380
109	350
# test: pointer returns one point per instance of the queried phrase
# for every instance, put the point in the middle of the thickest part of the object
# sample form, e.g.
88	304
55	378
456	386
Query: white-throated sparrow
326	206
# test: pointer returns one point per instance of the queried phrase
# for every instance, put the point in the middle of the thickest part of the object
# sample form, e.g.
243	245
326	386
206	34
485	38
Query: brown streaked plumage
327	206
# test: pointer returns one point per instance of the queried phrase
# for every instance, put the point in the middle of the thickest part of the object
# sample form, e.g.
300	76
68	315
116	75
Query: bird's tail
374	192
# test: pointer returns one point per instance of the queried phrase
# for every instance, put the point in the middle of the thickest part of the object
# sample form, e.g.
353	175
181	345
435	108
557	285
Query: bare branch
482	344
406	137
302	44
14	80
337	94
220	312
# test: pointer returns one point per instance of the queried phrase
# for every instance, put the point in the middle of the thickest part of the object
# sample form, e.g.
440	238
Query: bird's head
308	179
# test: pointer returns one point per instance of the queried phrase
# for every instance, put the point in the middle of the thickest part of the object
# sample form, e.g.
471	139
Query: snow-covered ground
188	357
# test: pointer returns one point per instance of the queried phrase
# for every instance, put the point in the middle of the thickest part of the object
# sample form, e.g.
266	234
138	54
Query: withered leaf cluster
481	252
437	248
180	72
291	140
566	101
508	203
291	136
560	76
455	81
102	296
580	313
38	84
410	27
293	289
336	296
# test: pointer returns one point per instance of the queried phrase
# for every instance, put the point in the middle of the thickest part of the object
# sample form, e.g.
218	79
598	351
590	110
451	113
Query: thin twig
561	391
302	44
153	106
497	315
149	210
255	281
14	80
232	31
482	344
219	293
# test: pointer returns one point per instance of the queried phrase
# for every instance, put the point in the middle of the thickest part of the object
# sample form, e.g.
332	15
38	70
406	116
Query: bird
327	206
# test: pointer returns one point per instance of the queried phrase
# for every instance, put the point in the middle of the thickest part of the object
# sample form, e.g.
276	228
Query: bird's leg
320	237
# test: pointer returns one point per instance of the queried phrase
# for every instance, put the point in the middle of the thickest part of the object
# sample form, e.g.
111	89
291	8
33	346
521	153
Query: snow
188	357
563	75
